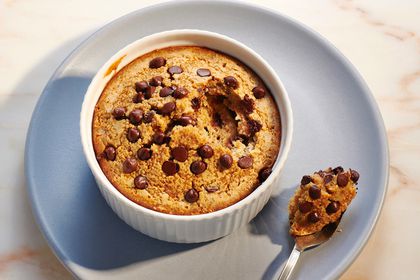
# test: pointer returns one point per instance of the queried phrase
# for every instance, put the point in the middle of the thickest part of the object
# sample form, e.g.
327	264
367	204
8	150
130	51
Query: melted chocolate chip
185	120
245	162
157	62
259	92
110	153
136	116
226	161
231	82
253	126
305	206
328	178
170	168
149	92
333	207
175	70
129	165
198	167
195	103
205	151
342	180
148	117
166	91
313	217
354	175
203	72
139	97
167	108
156	81
191	195
217	120
180	92
212	189
247	104
141	86
133	134
140	182
264	173
180	153
144	153
159	138
314	192
337	170
119	113
306	180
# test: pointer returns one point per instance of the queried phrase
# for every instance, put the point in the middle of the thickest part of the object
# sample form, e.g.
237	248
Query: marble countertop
381	38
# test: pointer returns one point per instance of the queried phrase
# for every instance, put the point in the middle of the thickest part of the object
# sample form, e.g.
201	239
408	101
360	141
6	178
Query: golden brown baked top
186	130
321	199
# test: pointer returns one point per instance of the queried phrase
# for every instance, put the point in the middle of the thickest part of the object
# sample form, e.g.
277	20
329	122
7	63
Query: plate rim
325	43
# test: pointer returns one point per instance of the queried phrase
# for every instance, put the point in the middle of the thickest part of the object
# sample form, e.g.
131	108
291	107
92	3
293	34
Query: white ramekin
180	228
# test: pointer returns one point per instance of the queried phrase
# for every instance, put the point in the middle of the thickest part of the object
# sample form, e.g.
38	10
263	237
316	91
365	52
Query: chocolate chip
253	126
333	207
167	108
136	116
159	138
157	62
144	153
129	165
203	72
175	70
342	179
180	153
140	182
139	97
170	168
226	161
119	113
313	217
180	92
110	153
264	173
306	180
141	86
185	120
354	175
231	81
328	178
149	92
314	192
156	81
259	92
195	103
205	151
148	117
247	104
198	167
212	189
245	162
133	134
166	91
191	195
337	170
305	206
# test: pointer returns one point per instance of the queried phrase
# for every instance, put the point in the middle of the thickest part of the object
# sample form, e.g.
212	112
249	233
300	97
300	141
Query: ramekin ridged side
186	228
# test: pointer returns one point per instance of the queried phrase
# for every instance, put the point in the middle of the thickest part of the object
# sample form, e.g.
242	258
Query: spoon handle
291	262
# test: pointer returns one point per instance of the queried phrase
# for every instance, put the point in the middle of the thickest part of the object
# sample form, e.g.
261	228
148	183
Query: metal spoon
306	242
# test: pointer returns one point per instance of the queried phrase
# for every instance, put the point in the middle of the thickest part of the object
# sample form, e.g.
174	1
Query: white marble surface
381	38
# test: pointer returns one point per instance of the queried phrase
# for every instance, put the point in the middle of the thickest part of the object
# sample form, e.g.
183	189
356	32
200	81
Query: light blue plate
336	123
